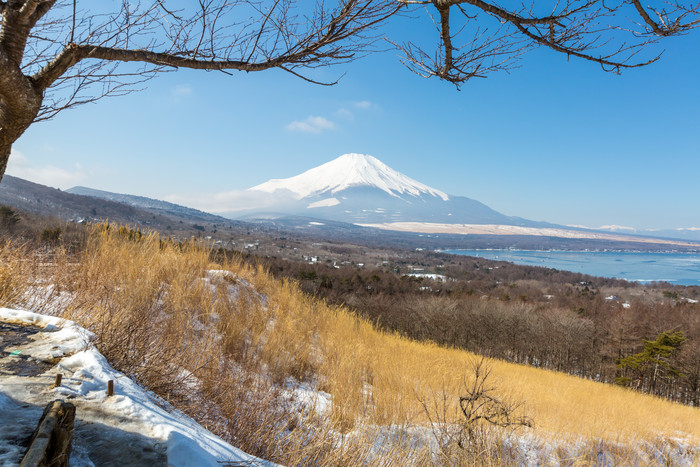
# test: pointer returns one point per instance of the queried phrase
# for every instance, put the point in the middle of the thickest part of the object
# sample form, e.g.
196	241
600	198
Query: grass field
226	346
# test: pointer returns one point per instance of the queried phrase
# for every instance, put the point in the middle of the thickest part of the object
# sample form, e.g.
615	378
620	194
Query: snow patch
309	396
131	413
324	203
435	277
48	323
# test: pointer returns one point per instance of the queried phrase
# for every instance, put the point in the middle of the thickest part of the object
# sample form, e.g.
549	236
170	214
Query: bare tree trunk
4	156
20	97
14	120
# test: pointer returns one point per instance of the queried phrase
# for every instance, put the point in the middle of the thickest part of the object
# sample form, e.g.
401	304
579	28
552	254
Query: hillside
85	204
40	199
95	206
151	205
290	378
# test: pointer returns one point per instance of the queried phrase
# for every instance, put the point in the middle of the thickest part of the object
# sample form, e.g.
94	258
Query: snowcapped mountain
348	171
360	189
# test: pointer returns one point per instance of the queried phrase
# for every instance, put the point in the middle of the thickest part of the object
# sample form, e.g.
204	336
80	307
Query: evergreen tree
654	362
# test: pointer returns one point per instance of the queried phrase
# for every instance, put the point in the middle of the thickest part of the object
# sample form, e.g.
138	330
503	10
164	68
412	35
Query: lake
676	268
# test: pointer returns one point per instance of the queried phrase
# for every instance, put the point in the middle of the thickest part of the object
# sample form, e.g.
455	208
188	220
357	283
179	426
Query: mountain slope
359	188
348	171
39	199
149	204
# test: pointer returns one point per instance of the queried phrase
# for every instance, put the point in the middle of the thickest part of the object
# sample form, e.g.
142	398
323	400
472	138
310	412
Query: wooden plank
51	442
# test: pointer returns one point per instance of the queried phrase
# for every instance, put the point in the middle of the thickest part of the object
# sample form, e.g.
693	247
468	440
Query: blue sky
553	140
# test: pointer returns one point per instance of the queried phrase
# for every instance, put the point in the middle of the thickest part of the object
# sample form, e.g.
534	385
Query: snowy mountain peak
348	171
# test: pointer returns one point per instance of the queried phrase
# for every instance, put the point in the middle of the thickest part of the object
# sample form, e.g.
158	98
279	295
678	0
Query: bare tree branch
54	56
664	27
586	29
479	408
478	404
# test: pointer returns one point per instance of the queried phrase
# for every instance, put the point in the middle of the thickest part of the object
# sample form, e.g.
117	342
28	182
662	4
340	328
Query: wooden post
110	388
50	445
58	380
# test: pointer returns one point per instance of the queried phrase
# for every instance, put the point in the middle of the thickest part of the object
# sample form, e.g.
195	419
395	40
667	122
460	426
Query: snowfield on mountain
348	171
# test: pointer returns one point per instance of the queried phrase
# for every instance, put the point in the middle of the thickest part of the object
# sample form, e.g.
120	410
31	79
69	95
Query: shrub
8	216
51	235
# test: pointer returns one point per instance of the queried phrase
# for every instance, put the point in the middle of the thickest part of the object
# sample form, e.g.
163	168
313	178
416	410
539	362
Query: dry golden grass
162	317
12	281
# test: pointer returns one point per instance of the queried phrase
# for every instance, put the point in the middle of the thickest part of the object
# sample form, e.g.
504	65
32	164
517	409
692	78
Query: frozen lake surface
676	268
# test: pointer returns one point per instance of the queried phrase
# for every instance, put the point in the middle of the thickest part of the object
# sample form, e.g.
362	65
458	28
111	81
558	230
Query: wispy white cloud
20	166
364	105
344	113
181	90
231	203
312	125
318	124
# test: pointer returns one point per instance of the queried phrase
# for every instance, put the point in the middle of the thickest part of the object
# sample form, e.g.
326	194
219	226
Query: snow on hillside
129	428
496	229
348	171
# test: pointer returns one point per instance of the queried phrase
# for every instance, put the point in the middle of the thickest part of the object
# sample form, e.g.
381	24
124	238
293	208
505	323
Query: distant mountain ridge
150	204
180	220
40	199
690	233
144	212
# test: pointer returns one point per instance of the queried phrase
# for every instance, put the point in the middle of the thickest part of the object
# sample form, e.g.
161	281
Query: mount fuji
360	189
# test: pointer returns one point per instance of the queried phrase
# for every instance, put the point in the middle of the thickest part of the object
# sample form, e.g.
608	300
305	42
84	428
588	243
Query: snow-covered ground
129	428
435	277
496	229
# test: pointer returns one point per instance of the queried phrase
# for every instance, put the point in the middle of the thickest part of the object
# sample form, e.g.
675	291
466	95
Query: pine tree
654	362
